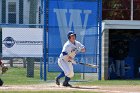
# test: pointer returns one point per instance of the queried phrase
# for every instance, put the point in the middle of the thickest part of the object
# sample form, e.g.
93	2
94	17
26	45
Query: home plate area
88	88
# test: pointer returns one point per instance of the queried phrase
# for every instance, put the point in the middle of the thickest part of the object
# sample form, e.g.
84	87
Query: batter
65	61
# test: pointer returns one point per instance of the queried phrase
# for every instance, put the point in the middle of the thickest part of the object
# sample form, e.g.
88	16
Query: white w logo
74	21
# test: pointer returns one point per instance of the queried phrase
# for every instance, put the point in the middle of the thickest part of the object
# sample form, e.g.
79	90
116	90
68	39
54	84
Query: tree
116	9
136	10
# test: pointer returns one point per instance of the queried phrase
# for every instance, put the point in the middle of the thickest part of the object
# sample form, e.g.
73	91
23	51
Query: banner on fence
22	42
81	17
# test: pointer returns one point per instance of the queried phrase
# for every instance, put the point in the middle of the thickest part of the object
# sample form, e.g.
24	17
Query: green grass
51	76
17	76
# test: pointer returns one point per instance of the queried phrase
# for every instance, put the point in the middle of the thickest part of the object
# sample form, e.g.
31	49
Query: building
121	37
20	11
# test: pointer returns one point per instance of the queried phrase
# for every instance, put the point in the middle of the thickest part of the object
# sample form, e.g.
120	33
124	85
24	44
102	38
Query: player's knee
71	74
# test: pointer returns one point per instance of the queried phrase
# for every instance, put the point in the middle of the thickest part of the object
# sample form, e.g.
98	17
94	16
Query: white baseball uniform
68	48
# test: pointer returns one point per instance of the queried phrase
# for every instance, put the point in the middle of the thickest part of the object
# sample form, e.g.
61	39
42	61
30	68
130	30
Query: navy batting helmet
70	33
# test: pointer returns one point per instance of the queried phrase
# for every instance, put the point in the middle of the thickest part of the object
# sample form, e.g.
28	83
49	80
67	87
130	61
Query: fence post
100	41
132	7
41	69
44	40
24	62
11	62
30	67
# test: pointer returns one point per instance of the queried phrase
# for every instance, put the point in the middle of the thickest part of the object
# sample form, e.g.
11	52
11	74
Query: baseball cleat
57	81
1	82
67	84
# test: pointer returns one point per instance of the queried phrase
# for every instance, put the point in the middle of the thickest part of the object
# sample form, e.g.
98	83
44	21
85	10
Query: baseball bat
86	64
73	53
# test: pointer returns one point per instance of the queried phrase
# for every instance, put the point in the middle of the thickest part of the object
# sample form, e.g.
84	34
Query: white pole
132	6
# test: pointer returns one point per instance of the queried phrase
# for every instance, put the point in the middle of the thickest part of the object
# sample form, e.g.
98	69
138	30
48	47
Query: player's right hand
70	58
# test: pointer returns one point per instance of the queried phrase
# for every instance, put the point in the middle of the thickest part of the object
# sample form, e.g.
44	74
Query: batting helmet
70	33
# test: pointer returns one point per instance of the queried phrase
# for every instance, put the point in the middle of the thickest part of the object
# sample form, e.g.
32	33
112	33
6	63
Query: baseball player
3	69
66	58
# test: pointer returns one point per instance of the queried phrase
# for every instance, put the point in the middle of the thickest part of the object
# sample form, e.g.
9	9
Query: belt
63	59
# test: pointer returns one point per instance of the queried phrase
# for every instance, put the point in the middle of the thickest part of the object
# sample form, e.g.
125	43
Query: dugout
120	49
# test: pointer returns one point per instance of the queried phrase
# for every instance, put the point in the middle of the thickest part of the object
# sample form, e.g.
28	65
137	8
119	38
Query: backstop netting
21	40
82	17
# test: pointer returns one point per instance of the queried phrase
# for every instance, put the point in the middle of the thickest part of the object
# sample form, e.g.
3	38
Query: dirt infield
53	87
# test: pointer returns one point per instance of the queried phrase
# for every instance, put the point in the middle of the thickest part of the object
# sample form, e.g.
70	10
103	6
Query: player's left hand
83	50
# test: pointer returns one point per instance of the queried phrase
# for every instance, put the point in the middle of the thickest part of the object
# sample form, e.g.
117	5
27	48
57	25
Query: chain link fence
65	16
21	40
121	10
